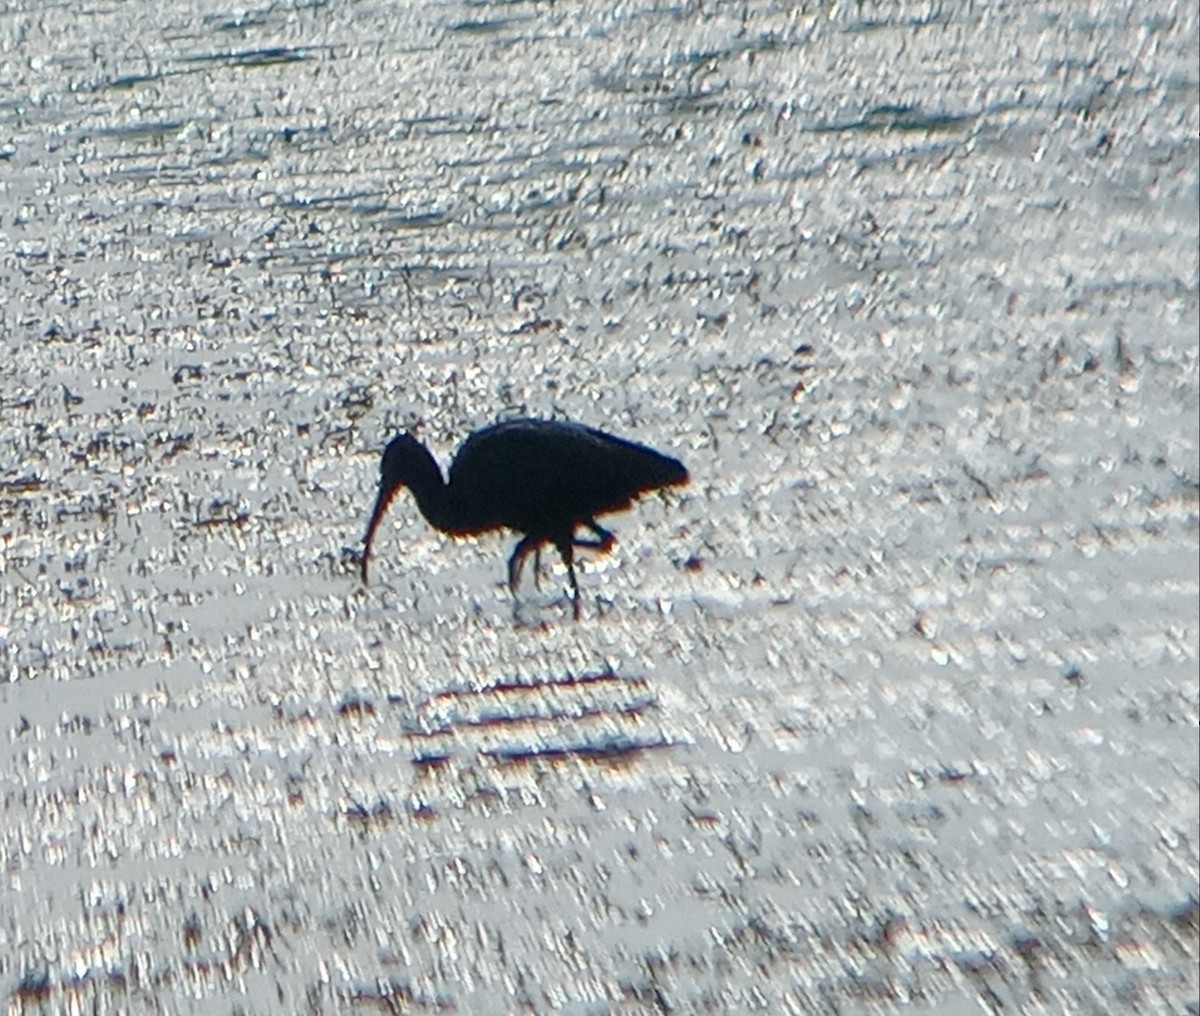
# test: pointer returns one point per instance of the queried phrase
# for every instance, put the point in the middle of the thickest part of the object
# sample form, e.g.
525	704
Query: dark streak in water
128	81
241	518
422	220
433	760
875	24
568	681
22	484
354	705
237	24
483	26
616	750
511	719
266	57
157	128
898	118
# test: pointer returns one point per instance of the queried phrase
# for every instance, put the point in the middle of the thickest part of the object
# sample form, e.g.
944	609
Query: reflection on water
911	286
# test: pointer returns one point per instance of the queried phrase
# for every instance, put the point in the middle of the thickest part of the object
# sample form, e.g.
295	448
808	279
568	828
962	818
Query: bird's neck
433	497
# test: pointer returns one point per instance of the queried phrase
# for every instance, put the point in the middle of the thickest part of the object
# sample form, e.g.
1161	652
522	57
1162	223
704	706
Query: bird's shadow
544	610
541	611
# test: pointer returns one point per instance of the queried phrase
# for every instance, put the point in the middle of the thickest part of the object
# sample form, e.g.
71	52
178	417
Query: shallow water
895	705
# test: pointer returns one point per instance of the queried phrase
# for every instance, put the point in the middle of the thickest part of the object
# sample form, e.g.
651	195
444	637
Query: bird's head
405	463
402	463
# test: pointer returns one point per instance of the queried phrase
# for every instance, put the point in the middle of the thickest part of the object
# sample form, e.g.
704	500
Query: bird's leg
604	539
517	561
566	548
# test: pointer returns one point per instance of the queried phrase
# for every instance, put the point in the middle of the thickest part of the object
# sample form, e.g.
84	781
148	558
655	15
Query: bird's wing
534	474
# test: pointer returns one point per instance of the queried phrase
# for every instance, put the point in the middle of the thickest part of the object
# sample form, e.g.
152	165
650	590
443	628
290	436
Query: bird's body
541	478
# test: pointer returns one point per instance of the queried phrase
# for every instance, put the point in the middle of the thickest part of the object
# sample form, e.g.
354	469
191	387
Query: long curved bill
381	505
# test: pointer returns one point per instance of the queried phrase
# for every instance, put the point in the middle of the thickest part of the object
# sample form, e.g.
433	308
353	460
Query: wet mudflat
895	705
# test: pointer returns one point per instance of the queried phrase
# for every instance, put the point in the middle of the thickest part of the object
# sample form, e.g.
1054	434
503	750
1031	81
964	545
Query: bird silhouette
541	478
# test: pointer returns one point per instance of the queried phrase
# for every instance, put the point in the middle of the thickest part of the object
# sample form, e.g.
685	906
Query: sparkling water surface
894	707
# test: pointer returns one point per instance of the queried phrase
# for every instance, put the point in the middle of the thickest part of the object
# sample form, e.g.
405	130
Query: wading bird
540	478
